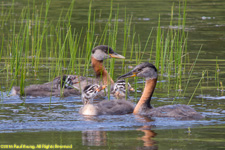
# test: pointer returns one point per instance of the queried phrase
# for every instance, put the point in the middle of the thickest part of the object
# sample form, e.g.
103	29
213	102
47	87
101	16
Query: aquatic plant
60	49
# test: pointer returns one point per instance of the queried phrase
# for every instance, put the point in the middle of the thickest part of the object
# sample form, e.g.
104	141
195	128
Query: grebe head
69	80
120	89
102	52
91	91
145	70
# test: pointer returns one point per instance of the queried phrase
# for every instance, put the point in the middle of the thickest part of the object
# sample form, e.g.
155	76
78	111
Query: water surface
50	121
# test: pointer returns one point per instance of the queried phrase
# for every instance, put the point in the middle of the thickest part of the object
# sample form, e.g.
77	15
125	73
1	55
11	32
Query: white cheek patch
100	55
148	73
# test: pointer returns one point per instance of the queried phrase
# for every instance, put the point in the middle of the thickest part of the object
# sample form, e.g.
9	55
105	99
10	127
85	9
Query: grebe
58	87
121	88
105	107
143	107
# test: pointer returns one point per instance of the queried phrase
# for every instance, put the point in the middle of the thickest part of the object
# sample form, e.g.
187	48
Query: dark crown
104	48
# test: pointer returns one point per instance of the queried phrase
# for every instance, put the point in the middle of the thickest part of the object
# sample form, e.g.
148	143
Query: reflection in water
90	118
94	138
149	143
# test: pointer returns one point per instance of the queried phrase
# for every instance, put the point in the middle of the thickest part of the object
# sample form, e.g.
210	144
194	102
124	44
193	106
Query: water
32	121
35	114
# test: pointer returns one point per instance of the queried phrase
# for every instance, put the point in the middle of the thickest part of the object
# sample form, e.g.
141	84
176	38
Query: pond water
39	122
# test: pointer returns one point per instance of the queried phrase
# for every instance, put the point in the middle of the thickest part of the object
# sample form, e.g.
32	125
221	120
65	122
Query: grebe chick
60	86
121	88
98	55
105	107
143	107
91	91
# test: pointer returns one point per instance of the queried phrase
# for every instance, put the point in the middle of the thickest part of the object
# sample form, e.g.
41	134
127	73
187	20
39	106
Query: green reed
2	47
132	45
203	74
217	79
90	38
171	49
32	44
112	41
112	29
126	37
191	71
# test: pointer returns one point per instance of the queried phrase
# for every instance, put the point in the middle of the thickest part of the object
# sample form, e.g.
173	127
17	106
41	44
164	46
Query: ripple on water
211	97
35	114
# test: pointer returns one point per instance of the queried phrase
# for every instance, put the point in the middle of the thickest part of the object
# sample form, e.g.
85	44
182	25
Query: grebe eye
138	70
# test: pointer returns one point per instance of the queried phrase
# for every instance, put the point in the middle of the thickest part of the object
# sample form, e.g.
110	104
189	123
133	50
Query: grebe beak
128	75
104	86
75	82
101	88
132	89
115	55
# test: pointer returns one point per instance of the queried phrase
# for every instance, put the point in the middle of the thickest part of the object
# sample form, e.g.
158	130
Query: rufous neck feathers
144	102
100	71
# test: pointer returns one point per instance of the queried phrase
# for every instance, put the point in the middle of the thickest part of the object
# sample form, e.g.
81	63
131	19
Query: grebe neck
100	71
144	102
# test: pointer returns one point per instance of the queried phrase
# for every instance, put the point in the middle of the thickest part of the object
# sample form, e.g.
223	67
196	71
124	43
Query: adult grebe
60	86
105	107
149	72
